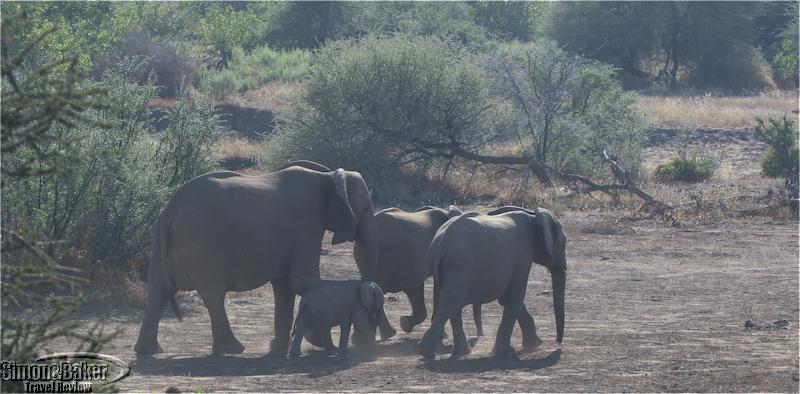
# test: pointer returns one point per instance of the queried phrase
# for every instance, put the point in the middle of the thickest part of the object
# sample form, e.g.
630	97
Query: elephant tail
177	310
159	261
435	255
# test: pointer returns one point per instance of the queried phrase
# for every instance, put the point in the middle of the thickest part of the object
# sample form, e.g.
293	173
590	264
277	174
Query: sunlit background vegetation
108	107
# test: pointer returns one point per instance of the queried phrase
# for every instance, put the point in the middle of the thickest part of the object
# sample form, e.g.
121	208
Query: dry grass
736	190
720	112
114	286
234	147
274	97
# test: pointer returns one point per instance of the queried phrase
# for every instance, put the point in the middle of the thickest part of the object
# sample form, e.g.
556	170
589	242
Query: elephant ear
346	230
371	296
453	211
552	236
544	221
367	295
510	208
311	165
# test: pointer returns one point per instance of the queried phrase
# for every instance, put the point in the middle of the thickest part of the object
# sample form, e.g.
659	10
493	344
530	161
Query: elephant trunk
559	278
366	248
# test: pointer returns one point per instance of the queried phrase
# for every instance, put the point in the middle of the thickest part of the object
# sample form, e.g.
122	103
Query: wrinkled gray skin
480	258
403	240
337	303
225	231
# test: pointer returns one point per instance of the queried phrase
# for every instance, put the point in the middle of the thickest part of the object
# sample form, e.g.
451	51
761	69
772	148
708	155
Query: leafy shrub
785	57
368	103
248	71
387	106
566	109
782	155
35	102
117	176
159	60
224	28
686	167
741	70
782	158
686	170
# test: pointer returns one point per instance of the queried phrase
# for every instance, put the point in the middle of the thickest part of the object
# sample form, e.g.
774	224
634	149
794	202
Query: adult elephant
403	239
480	258
225	231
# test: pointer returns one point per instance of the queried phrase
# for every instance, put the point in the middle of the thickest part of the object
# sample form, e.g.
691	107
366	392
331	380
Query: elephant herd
224	231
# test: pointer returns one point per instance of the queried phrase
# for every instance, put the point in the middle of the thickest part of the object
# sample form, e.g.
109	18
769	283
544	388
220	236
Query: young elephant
337	303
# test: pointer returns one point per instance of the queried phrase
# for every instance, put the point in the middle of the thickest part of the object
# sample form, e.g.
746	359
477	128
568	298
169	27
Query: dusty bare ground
649	308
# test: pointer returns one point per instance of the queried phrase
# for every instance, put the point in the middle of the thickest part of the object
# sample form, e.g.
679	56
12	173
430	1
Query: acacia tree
564	111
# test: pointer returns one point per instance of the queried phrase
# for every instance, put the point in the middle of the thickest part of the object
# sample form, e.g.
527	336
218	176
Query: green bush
782	158
686	170
566	109
367	104
742	69
35	102
114	178
688	167
160	61
248	71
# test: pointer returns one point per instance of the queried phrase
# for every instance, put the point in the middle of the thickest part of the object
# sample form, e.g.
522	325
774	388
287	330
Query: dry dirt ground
649	308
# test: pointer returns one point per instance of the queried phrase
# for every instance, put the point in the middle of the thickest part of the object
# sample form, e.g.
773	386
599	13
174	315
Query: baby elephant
337	303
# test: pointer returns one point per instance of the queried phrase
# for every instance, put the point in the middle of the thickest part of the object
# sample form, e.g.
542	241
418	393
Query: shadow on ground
314	363
451	365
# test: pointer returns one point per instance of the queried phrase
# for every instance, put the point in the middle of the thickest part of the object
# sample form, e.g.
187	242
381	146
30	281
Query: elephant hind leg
476	315
418	311
147	343
450	300
460	345
224	340
284	313
387	331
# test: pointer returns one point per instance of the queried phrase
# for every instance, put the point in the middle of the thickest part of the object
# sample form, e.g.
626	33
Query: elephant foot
388	333
426	351
530	344
229	347
277	351
407	324
460	351
363	338
142	347
506	354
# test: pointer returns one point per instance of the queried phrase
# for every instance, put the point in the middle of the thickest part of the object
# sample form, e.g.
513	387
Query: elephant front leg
147	343
303	323
418	311
387	331
530	340
284	312
502	345
224	340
